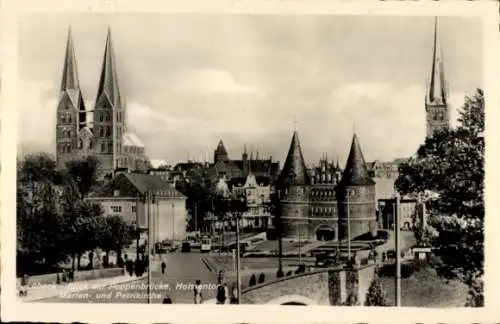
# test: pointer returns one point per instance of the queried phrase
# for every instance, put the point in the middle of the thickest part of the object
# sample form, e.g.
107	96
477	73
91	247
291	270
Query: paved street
182	270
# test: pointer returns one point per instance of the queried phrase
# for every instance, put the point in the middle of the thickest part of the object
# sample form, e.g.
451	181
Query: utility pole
137	200
173	224
150	236
300	243
398	252
238	274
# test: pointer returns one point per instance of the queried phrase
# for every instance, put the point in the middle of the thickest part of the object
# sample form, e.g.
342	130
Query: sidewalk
46	291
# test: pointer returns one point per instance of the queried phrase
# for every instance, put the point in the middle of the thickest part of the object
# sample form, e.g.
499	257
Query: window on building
101	132
116	193
134	209
110	147
116	209
103	147
101	117
108	118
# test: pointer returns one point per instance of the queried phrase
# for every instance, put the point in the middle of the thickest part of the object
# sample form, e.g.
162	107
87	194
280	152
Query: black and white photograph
232	159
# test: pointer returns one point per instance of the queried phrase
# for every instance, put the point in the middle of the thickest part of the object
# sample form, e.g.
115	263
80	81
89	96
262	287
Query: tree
117	234
376	294
84	172
449	171
39	221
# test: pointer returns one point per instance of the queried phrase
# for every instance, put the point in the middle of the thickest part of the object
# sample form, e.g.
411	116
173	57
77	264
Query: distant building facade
409	216
126	196
257	193
224	167
317	204
101	132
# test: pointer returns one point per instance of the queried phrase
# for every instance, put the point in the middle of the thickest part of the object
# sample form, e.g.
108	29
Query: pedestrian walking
163	266
198	299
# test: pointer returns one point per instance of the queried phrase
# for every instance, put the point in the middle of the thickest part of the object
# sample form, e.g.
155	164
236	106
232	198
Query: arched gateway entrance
325	233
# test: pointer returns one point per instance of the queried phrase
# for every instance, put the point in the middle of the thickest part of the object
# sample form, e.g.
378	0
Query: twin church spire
108	88
104	133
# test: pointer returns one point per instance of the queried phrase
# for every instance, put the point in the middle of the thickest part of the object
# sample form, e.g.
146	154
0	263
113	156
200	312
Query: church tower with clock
436	98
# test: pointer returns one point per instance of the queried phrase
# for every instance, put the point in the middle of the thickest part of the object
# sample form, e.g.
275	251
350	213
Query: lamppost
138	233
149	201
238	207
397	249
173	226
276	205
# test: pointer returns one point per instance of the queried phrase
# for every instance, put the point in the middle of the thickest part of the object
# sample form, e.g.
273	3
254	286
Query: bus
206	244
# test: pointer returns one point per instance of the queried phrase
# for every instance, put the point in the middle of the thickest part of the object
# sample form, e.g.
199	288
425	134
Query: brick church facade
101	132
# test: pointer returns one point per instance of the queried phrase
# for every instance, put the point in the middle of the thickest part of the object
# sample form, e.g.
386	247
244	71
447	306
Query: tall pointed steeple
70	83
437	92
294	170
70	72
220	153
436	97
108	82
356	172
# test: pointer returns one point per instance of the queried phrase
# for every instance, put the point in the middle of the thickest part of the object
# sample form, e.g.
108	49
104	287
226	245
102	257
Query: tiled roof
131	184
146	182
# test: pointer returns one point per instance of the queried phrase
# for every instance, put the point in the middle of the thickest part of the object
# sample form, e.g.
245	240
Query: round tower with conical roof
356	195
294	185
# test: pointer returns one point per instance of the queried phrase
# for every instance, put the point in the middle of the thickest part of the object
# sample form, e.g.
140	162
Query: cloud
389	119
212	81
142	116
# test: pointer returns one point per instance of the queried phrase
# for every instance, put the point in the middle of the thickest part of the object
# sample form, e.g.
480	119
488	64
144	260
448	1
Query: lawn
426	289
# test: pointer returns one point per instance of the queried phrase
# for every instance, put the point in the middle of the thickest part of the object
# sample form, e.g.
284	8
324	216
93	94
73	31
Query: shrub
352	300
280	274
262	277
475	297
376	294
301	269
289	273
252	281
407	269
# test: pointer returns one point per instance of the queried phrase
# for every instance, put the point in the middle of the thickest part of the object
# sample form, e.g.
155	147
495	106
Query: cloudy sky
190	80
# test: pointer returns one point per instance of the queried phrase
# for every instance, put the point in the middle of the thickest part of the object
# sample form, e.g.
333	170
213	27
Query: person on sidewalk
222	293
198	299
163	266
23	291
